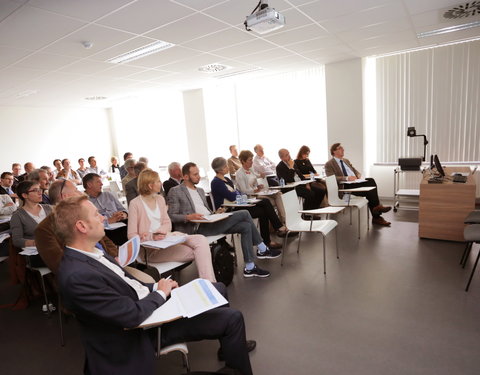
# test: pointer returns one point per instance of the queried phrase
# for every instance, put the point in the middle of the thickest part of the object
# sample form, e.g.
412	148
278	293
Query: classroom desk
443	207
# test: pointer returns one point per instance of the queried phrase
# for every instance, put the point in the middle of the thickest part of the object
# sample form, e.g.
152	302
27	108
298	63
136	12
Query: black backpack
223	262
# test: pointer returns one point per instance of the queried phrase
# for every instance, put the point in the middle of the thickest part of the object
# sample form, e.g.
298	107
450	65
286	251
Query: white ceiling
41	51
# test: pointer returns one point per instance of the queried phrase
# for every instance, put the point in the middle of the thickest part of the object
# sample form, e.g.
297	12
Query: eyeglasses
37	190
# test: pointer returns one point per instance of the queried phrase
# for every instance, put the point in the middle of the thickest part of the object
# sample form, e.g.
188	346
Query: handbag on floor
223	262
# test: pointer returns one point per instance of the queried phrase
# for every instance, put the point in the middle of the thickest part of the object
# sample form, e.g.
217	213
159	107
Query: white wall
345	108
41	135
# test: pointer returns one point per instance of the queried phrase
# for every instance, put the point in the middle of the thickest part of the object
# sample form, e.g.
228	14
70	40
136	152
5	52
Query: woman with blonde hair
148	218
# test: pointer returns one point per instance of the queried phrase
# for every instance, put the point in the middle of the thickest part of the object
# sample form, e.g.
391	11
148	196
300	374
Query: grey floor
392	304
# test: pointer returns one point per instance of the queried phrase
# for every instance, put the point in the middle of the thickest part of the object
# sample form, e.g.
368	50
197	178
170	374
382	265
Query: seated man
344	171
129	165
233	162
186	202
81	171
16	169
126	156
29	167
312	193
108	205
106	300
41	177
264	167
175	172
93	168
49	245
131	188
6	185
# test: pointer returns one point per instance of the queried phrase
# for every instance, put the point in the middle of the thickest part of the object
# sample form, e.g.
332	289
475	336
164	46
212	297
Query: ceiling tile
7	7
219	40
371	31
322	10
145	15
420	6
148	75
10	55
86	67
199	4
313	44
297	35
246	48
100	37
376	15
259	57
33	28
191	65
182	31
88	10
45	61
120	70
9	77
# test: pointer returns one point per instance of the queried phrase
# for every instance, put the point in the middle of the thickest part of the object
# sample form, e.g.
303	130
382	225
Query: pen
169	277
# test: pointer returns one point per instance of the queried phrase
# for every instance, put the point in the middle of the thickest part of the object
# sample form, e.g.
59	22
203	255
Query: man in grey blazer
186	203
344	171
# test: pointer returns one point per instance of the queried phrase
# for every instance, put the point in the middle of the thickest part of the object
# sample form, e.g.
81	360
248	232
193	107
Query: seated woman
223	190
67	173
246	181
25	219
306	168
148	218
114	167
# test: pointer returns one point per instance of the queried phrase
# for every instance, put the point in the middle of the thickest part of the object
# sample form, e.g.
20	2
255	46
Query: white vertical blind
437	91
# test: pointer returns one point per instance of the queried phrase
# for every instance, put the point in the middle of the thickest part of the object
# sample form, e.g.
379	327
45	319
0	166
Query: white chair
353	201
295	223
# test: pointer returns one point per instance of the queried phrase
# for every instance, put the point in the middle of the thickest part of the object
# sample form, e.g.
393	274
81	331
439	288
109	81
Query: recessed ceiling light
95	98
141	52
213	68
449	29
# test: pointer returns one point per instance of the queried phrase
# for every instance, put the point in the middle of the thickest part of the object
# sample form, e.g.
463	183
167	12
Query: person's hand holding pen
166	285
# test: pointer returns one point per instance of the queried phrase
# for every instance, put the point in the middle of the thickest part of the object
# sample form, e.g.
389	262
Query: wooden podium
443	207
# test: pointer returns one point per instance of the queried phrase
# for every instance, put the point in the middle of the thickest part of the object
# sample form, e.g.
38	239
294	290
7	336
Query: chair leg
466	254
186	363
368	218
350	215
358	208
60	321
324	256
284	246
45	294
473	271
336	242
299	239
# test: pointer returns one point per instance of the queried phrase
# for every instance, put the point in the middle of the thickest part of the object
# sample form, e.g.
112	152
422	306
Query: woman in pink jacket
148	218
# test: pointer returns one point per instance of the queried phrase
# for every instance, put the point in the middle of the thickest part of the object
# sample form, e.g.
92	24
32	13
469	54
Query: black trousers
372	195
265	213
118	236
223	323
312	197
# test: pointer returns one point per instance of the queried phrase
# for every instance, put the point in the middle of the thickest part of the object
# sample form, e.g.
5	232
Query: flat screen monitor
438	166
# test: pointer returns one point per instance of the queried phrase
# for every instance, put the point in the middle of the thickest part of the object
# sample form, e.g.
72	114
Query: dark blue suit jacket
105	305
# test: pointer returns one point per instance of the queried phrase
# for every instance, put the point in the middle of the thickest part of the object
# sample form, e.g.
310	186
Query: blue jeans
239	222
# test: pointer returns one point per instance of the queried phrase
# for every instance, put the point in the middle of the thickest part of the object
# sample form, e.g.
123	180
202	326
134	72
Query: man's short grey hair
174	165
35	174
218	164
143	159
54	191
140	166
129	163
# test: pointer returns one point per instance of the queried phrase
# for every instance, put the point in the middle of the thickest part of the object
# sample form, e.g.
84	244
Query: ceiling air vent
461	11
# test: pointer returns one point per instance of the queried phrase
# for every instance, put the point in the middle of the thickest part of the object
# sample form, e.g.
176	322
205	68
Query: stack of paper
186	301
168	241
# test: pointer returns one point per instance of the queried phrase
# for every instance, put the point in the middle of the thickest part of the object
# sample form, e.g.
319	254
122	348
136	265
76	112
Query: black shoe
251	344
269	254
255	272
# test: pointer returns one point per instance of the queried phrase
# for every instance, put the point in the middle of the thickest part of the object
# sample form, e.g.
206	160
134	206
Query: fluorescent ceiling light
450	29
141	52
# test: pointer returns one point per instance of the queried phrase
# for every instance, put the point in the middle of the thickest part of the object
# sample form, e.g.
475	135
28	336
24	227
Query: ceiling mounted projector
265	19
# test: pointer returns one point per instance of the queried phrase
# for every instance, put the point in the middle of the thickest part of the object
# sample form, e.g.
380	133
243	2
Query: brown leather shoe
380	221
381	209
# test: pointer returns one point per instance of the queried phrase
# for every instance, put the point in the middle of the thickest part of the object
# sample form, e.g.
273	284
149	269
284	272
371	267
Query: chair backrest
292	206
332	191
115	188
